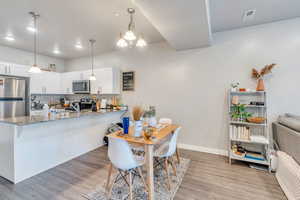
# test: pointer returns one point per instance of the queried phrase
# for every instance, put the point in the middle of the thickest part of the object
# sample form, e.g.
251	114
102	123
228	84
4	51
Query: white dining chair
165	153
122	159
169	121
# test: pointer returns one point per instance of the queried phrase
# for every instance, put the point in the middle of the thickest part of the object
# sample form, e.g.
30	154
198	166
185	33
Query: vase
152	122
260	85
138	128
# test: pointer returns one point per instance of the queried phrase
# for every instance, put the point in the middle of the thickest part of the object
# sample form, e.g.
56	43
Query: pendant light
92	77
129	38
34	68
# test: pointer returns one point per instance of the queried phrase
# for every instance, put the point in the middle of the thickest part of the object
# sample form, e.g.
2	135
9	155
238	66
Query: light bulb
78	45
93	77
9	37
122	43
34	69
56	51
141	42
31	29
129	35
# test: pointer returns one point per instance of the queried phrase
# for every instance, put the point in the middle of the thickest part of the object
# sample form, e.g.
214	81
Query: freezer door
10	109
12	97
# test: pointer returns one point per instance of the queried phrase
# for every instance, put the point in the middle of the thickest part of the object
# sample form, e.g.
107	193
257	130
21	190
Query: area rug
120	190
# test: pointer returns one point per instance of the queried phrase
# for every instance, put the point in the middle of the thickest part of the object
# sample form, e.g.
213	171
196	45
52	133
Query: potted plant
149	116
239	113
259	76
234	86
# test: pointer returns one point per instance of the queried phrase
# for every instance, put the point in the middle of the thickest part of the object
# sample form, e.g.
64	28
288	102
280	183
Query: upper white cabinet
107	81
14	70
45	83
66	81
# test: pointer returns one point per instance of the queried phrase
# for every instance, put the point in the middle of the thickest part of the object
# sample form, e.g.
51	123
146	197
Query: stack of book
239	132
254	156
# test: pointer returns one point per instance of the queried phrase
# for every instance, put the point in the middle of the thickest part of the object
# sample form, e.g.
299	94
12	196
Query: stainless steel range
13	96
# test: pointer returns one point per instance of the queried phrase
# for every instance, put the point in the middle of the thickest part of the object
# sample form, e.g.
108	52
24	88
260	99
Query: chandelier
129	38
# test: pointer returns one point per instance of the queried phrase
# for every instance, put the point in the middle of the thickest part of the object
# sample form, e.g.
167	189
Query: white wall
17	56
190	86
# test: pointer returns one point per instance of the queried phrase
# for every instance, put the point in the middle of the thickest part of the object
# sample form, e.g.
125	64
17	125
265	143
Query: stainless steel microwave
81	87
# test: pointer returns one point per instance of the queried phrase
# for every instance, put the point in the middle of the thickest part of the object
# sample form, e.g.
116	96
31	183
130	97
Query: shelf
235	157
252	106
247	123
250	141
248	93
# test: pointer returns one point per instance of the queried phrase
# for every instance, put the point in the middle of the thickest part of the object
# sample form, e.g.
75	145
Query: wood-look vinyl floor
209	177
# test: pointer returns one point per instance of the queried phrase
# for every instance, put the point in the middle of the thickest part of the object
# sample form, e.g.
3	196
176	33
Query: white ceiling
228	14
184	24
64	22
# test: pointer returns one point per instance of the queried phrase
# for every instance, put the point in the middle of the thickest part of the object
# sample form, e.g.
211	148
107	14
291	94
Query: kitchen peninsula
30	145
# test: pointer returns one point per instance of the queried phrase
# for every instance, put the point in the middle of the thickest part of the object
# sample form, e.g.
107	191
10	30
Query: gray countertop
27	120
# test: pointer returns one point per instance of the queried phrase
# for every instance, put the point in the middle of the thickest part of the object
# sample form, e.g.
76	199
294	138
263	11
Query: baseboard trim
203	149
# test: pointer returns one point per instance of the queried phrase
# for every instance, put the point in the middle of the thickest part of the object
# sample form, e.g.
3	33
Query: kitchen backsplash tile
55	98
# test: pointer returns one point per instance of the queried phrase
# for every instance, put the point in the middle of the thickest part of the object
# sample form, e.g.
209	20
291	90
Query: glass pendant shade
141	42
129	35
122	43
93	77
34	69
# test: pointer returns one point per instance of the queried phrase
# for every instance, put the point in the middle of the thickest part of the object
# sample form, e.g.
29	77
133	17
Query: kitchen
137	99
32	112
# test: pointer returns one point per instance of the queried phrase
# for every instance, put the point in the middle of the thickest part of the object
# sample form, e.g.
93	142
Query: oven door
81	87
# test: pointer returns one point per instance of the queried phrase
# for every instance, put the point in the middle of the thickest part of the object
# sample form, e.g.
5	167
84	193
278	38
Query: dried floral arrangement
137	113
264	71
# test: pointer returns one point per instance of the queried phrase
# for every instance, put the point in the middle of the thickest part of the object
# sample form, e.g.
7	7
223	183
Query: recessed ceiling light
116	14
9	37
56	51
78	45
31	29
249	15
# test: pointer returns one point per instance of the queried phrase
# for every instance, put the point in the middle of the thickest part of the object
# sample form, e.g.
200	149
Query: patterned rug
121	190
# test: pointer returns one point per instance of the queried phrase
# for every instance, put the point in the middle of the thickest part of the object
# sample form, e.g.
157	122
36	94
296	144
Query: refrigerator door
12	97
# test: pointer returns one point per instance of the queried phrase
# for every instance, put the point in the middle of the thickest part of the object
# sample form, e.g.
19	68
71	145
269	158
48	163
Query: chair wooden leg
168	174
111	187
173	166
177	155
109	176
141	174
130	185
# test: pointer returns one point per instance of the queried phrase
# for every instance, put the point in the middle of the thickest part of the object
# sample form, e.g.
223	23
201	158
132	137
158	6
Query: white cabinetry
45	83
14	70
107	81
66	81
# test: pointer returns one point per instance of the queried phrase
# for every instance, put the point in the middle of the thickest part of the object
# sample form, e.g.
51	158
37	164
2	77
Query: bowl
256	120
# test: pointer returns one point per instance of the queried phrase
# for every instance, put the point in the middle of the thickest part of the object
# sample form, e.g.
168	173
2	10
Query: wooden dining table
159	137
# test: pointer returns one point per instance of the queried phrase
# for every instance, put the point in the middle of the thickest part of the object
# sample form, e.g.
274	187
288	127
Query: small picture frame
128	81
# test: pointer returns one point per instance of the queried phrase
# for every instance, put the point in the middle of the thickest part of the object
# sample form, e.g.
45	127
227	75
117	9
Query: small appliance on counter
103	103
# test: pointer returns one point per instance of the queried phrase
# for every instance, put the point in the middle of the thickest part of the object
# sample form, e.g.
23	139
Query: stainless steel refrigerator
13	96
